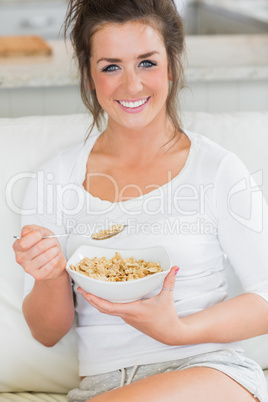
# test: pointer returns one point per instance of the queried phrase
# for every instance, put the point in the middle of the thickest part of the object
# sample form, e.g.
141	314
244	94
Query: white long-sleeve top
211	210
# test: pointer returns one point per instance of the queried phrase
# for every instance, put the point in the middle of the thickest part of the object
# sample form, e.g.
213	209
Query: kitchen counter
210	58
227	58
40	71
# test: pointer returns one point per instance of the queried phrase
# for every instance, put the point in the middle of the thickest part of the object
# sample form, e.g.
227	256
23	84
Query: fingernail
176	270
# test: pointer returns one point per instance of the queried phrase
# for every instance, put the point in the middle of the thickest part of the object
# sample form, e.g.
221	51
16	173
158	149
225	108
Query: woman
170	187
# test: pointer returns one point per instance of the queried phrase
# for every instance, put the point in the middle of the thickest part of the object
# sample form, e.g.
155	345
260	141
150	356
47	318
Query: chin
136	123
135	126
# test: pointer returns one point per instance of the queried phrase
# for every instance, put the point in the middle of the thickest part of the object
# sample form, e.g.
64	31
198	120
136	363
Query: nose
132	83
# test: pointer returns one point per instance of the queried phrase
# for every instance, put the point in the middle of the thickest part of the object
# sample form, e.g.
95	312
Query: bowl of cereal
119	275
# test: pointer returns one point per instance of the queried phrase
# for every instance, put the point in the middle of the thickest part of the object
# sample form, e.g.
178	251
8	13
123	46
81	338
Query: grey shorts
242	369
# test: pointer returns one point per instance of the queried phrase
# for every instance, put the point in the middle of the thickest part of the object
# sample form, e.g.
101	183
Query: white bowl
120	291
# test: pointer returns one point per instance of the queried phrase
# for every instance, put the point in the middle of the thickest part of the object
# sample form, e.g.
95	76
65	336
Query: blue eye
111	67
147	63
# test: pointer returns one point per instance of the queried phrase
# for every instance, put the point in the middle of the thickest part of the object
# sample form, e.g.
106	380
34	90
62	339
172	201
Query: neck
137	147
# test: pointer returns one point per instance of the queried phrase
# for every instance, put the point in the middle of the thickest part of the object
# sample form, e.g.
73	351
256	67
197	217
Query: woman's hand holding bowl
156	317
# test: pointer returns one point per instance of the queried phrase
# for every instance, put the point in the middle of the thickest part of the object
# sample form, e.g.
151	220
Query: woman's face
129	68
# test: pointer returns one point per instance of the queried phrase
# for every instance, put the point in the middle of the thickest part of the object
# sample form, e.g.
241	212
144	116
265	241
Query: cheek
158	81
104	86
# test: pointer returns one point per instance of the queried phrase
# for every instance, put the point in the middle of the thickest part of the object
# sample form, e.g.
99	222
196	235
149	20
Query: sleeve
243	223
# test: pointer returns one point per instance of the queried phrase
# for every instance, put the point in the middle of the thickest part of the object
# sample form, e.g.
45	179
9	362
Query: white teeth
133	104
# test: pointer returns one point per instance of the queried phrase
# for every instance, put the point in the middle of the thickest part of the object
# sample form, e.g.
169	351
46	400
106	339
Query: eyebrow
141	56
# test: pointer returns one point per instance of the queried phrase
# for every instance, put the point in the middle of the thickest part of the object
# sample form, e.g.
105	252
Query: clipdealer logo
251	185
188	200
50	197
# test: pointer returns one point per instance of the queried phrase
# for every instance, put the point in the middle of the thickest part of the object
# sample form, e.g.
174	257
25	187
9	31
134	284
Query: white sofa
48	373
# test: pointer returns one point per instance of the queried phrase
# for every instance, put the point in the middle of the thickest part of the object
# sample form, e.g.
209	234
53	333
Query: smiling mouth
133	105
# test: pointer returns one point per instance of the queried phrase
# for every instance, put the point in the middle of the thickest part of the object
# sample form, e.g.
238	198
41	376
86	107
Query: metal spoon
102	235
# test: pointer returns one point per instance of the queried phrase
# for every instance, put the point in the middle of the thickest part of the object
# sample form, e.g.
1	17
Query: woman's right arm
49	308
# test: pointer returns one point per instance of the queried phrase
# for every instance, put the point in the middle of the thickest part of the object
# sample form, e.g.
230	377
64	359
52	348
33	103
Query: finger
95	301
30	239
52	269
42	259
169	282
30	228
102	305
27	241
18	245
25	231
37	249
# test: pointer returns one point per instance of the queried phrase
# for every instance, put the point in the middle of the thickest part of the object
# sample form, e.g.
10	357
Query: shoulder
207	147
212	159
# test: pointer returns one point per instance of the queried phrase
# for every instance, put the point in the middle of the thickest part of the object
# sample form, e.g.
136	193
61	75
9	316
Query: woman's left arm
239	318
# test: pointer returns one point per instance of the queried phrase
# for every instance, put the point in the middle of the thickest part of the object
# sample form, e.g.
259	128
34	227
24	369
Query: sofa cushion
29	366
25	144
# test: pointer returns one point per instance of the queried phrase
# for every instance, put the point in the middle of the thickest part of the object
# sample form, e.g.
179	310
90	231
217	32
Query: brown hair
85	17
